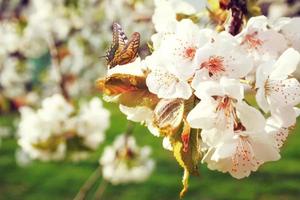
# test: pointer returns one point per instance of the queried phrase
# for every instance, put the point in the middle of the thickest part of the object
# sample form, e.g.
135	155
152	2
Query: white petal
250	117
208	88
286	64
137	114
167	144
290	30
285	116
261	100
166	85
232	88
224	150
263	72
283	92
203	115
263	148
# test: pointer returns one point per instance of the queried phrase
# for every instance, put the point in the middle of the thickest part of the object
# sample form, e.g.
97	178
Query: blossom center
190	52
252	41
226	108
214	65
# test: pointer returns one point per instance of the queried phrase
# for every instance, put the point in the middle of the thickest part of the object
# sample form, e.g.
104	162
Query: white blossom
44	134
125	162
242	150
221	57
277	92
92	122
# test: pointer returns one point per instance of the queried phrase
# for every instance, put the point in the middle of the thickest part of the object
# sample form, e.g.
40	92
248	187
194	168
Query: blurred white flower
44	18
165	13
125	162
46	134
41	135
92	122
10	36
14	76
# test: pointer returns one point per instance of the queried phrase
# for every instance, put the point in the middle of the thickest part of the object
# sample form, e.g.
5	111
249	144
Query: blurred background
50	47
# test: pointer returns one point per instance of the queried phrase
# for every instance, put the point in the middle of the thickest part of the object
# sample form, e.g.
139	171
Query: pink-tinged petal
283	92
286	64
250	117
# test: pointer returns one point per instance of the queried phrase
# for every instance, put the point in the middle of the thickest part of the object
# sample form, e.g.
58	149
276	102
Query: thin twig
101	189
81	195
129	131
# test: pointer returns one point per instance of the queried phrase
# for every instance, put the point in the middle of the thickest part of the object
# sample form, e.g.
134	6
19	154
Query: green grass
59	181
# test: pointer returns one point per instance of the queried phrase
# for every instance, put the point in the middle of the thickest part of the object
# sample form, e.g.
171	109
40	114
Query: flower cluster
56	129
195	91
125	162
72	34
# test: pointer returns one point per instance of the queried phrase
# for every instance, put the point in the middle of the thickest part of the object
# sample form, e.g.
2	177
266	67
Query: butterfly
122	50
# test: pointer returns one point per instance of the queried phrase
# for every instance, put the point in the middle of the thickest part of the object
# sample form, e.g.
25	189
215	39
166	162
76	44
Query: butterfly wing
130	51
119	36
118	44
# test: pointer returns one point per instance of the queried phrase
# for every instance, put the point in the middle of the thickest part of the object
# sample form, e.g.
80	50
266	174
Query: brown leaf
121	83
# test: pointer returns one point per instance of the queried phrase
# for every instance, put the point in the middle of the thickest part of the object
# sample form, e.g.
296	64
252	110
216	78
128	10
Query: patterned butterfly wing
130	52
119	42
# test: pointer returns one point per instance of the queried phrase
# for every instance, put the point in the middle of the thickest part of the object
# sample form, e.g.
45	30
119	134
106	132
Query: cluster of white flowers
218	72
79	30
125	162
56	128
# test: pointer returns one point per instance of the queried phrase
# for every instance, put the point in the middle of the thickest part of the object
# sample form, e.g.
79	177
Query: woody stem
81	195
56	64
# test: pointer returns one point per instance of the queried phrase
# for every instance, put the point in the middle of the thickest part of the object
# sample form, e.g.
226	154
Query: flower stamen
214	65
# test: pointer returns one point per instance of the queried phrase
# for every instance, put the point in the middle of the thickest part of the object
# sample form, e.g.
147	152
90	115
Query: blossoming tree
194	88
